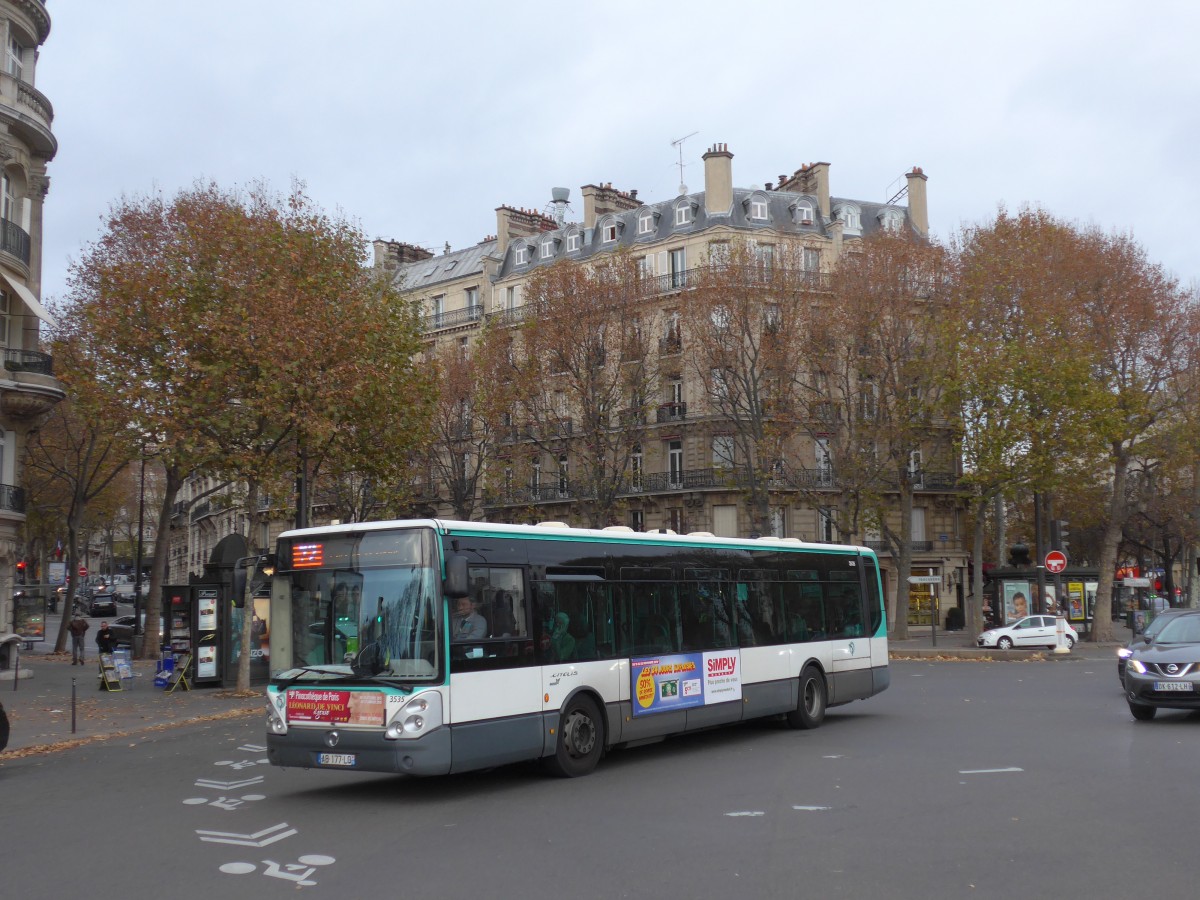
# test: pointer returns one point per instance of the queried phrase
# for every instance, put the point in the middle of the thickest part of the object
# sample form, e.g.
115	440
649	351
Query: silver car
1164	671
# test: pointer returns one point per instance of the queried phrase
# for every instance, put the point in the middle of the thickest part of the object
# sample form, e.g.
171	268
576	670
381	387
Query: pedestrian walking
78	629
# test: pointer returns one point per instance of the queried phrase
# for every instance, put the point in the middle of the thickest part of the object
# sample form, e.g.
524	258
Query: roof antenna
679	143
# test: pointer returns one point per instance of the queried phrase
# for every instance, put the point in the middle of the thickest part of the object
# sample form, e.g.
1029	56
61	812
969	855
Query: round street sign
1056	561
83	571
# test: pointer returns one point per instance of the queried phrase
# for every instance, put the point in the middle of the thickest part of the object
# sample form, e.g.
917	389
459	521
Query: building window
764	255
675	464
675	392
810	259
637	520
573	242
645	266
683	215
5	311
439	308
547	249
720	385
804	213
521	254
472	298
608	231
675	519
723	451
636	462
758	209
826	525
824	462
564	481
678	267
12	63
510	297
646	223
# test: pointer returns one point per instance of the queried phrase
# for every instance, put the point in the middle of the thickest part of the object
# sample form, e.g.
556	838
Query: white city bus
426	646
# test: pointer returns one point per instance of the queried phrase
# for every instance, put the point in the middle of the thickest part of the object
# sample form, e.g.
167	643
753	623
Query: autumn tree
745	324
1014	379
876	325
584	377
78	455
241	334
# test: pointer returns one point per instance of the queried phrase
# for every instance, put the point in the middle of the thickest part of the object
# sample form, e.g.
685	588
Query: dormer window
683	215
851	218
548	249
646	223
891	220
608	231
758	209
803	212
573	242
521	254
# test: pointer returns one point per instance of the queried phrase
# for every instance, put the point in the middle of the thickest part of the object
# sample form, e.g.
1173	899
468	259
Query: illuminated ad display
679	681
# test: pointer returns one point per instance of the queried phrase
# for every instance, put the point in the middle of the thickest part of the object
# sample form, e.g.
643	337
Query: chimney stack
918	205
392	254
601	199
718	180
811	178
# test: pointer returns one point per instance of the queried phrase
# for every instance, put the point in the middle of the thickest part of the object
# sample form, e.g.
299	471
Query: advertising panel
340	707
1016	600
683	680
206	610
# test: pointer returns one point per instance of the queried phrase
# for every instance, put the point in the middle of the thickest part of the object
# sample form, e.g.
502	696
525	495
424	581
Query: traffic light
1059	535
20	571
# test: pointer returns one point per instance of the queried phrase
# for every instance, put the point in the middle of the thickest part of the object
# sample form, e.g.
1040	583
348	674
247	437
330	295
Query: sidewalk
922	643
39	709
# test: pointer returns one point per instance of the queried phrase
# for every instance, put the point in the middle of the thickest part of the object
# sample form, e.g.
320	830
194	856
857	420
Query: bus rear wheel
580	739
810	708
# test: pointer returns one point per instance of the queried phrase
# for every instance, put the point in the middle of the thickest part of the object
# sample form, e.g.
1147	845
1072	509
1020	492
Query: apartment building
676	478
28	388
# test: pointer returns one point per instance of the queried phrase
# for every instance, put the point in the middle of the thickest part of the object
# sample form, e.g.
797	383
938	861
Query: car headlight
1124	653
1136	665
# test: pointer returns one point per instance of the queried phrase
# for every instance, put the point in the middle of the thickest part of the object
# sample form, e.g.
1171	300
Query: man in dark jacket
78	629
104	639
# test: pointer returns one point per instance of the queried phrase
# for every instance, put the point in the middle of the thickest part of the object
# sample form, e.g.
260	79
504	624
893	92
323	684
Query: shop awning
31	301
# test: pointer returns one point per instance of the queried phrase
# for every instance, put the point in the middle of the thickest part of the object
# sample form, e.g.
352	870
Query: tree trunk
904	562
1110	544
975	605
151	642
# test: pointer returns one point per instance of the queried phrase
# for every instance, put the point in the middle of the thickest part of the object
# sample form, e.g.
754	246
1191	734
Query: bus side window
843	610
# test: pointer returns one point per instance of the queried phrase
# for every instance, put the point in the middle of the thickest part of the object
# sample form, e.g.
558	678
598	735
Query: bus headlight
275	723
419	716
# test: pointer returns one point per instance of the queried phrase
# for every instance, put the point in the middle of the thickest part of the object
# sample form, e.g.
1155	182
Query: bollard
72	706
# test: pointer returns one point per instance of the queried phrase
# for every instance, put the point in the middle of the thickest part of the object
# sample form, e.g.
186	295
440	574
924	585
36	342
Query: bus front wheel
580	739
810	708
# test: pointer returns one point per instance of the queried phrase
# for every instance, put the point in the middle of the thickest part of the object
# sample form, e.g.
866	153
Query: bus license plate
336	759
1172	685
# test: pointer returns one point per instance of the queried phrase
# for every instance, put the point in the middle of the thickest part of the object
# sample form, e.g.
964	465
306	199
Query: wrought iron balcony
12	498
28	361
671	412
436	321
15	240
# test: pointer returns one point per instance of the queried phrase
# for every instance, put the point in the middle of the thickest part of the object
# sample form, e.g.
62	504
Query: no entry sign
1056	561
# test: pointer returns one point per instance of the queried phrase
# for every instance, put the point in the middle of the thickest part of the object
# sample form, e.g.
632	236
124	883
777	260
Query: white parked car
1031	631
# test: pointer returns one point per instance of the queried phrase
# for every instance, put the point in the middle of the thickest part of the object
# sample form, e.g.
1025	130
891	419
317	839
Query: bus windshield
357	606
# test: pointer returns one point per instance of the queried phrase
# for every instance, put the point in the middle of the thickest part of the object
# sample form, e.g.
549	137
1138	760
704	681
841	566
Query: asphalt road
1000	779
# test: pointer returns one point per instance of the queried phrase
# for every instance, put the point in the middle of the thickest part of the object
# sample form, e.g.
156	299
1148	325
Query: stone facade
28	389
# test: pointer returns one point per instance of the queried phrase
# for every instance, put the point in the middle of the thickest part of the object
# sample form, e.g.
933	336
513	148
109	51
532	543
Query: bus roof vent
616	528
790	540
662	531
700	534
553	525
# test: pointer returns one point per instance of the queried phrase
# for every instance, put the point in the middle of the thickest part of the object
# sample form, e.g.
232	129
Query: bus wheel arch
582	732
813	699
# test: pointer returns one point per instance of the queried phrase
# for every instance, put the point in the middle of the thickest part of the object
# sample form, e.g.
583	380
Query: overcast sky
416	120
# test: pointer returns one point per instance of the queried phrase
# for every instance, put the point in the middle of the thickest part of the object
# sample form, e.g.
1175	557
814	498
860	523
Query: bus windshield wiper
308	670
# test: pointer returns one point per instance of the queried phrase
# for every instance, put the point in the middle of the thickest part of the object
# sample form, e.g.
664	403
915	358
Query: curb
977	653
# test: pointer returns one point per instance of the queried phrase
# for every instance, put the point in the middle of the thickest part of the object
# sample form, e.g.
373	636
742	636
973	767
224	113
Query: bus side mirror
457	582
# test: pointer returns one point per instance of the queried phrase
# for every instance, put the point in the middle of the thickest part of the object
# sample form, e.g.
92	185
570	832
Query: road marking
300	872
229	803
812	808
988	771
746	812
258	839
242	764
228	785
253	748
